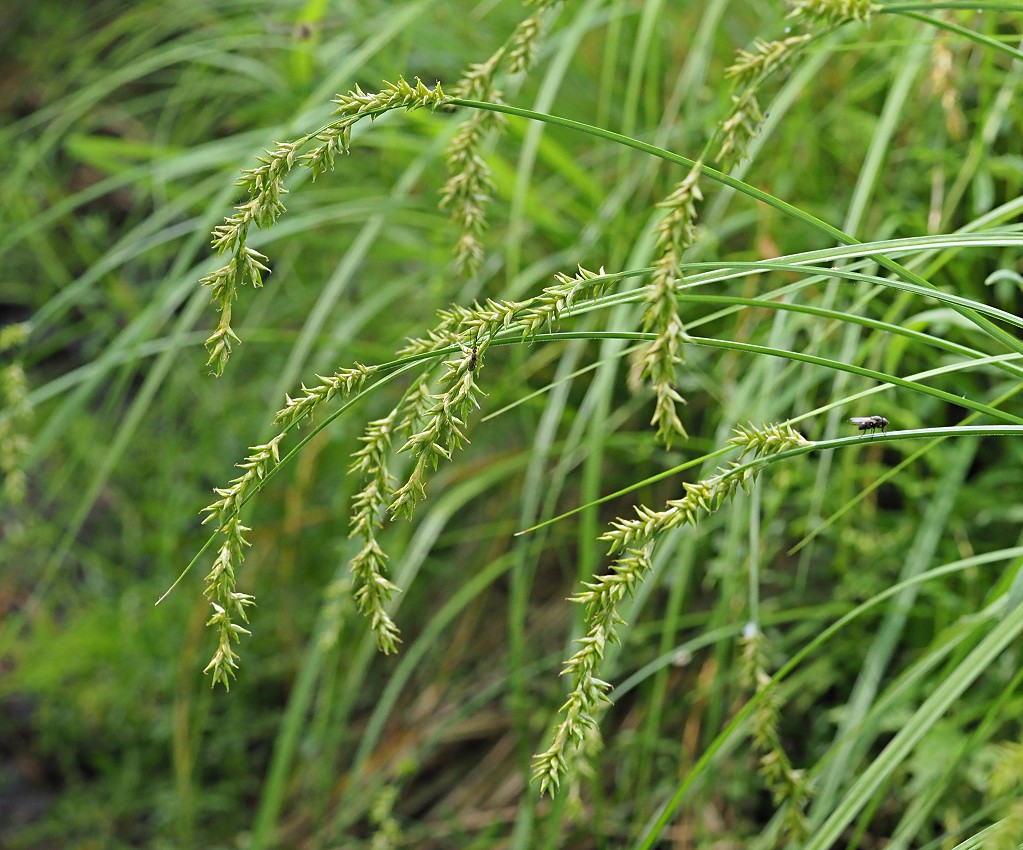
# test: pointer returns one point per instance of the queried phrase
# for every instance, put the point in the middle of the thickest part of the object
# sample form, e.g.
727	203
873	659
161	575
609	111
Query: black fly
870	423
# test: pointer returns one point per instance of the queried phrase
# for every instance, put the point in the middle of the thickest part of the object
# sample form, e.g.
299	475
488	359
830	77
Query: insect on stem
870	423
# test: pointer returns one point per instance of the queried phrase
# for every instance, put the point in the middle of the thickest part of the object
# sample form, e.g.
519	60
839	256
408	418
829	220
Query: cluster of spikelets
633	541
430	420
14	427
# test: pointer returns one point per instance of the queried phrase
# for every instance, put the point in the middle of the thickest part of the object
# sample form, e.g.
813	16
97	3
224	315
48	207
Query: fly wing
861	420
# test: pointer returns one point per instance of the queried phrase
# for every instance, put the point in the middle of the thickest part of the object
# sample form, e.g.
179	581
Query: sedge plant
659	305
443	372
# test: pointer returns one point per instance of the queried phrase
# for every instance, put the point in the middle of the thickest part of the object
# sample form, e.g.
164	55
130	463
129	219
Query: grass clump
786	227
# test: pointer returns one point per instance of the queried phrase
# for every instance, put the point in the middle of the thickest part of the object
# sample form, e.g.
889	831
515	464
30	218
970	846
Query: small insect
870	423
472	355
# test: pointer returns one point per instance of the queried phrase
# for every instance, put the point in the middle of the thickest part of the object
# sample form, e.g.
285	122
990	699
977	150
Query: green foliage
802	634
